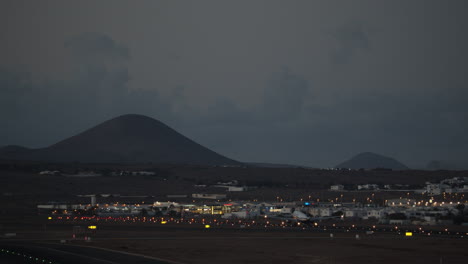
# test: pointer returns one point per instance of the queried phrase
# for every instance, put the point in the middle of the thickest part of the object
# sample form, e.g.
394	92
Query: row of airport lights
369	200
208	223
448	198
25	256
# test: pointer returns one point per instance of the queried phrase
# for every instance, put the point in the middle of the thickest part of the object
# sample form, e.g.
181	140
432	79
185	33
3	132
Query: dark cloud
349	40
14	85
282	101
284	96
93	46
97	90
392	81
271	125
225	111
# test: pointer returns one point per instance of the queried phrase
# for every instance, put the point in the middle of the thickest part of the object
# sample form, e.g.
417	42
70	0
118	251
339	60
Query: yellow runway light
207	226
92	227
408	234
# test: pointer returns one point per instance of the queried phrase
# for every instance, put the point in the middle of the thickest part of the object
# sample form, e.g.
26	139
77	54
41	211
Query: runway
49	253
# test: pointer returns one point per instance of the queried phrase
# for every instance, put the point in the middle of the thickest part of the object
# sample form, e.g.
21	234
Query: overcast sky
301	82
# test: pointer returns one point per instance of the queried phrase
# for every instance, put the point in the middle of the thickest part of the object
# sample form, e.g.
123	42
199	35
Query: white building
143	173
399	222
55	172
455	180
209	196
286	210
315	211
355	212
429	220
241	214
236	189
436	189
325	212
320	211
368	187
337	187
229	183
376	213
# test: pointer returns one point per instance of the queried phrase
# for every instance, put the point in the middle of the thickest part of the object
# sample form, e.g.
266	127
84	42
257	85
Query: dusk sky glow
299	82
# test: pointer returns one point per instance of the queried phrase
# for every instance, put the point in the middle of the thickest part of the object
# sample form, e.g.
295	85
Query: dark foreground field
197	245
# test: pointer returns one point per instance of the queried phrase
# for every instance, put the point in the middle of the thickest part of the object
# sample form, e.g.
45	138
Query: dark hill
369	160
125	139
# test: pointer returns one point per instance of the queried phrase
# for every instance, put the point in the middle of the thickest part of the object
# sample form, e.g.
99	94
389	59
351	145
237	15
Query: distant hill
369	160
125	139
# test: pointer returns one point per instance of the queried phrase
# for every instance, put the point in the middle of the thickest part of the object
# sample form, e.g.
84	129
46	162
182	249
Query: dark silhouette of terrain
369	160
125	139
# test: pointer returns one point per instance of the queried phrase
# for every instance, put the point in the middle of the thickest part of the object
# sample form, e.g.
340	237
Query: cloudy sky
301	82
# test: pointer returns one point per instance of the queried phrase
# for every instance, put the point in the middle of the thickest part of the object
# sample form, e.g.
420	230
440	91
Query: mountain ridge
370	160
130	138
